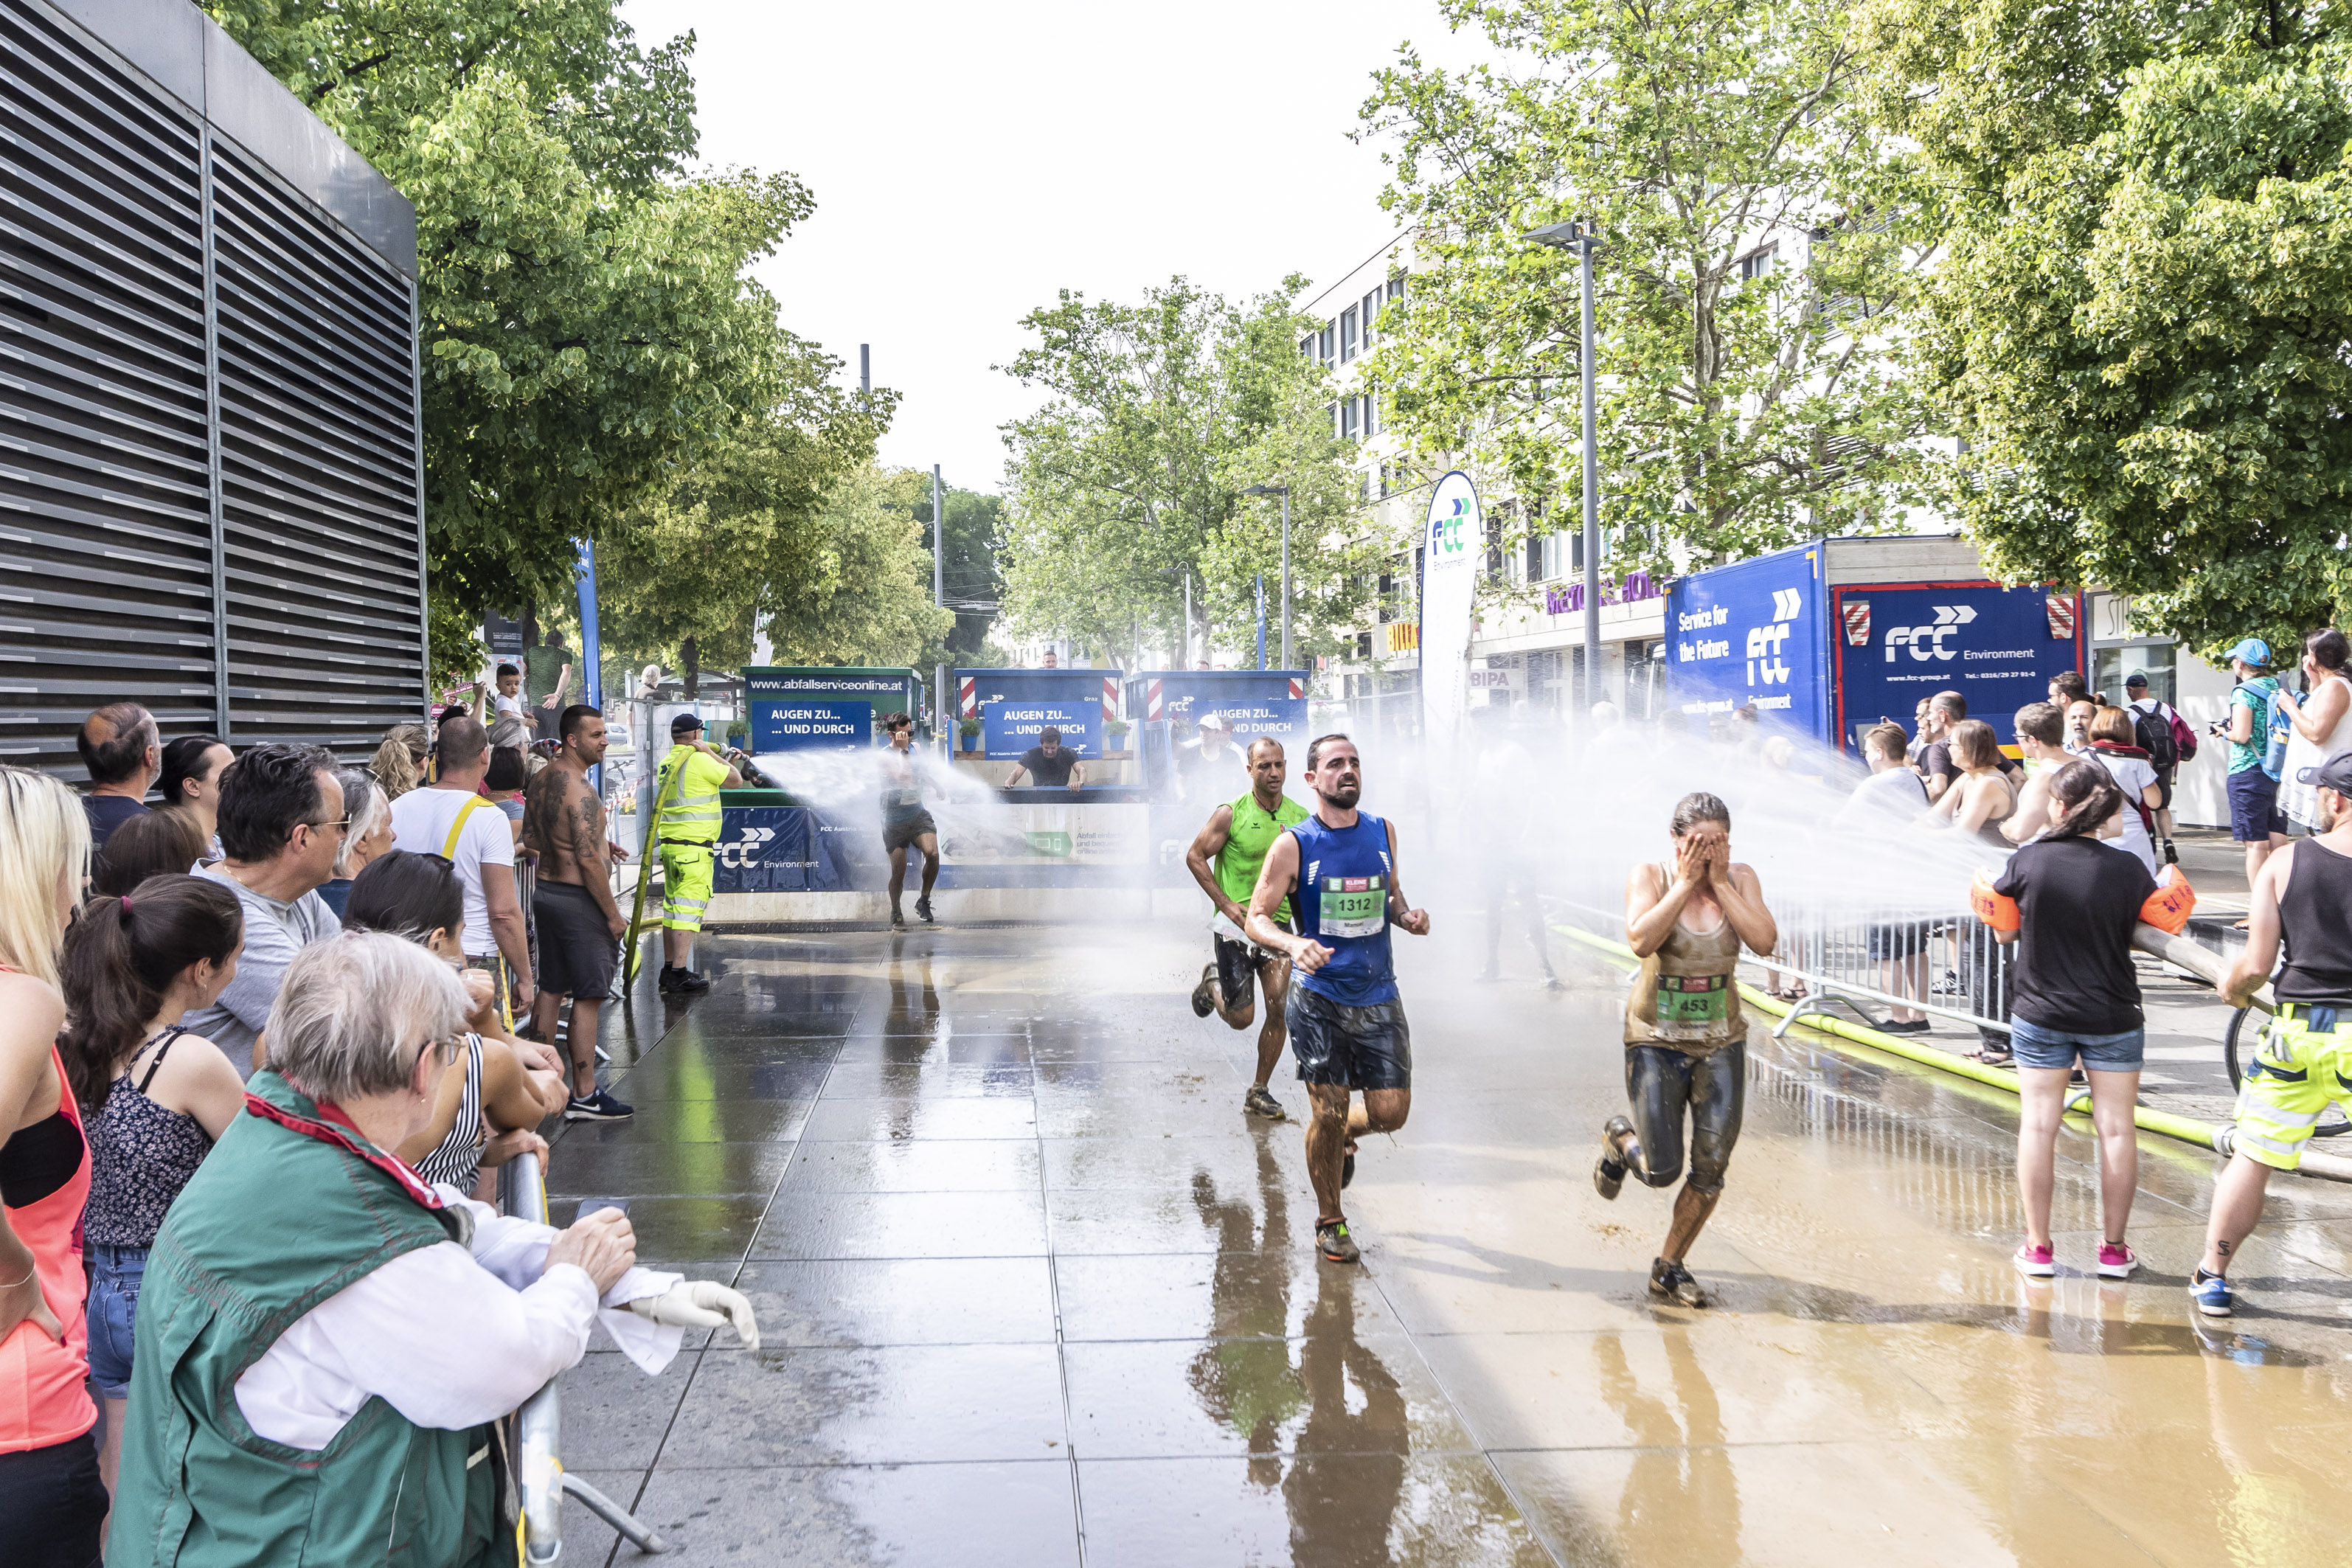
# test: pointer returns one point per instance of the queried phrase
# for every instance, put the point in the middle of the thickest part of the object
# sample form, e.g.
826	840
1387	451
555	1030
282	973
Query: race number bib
1354	906
1693	1003
902	797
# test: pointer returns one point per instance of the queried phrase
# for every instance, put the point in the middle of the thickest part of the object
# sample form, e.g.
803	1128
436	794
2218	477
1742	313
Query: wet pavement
1033	1291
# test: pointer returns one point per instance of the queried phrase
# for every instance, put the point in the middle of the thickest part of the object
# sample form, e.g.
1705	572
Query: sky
969	161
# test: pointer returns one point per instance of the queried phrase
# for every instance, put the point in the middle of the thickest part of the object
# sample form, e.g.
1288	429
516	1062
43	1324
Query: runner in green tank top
1236	840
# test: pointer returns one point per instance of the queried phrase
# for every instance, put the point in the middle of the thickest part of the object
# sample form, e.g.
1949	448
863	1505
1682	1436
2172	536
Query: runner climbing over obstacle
1685	1037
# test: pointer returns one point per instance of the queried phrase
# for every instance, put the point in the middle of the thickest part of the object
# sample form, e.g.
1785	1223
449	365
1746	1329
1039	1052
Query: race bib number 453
1693	998
1354	906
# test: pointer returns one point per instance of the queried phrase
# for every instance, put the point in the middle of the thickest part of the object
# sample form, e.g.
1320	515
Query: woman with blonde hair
51	1500
399	764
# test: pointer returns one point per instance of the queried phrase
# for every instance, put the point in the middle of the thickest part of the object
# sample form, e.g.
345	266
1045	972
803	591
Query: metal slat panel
319	478
105	537
210	493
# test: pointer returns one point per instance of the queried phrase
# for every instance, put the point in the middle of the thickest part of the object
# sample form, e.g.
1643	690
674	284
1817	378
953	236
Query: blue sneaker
2212	1294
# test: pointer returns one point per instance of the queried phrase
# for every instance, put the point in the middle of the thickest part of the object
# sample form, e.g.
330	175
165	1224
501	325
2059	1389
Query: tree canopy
1747	394
2141	324
587	319
1158	416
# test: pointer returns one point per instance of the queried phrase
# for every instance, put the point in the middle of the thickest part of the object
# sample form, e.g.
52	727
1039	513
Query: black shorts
2164	787
899	833
1349	1048
1901	939
1236	962
577	951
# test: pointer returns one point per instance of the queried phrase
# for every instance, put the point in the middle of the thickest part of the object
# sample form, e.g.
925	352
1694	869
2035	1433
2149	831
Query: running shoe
1260	1101
898	920
2116	1260
1332	1241
2172	856
2212	1294
923	911
1674	1281
1204	1001
688	980
598	1107
2035	1262
1949	986
1609	1171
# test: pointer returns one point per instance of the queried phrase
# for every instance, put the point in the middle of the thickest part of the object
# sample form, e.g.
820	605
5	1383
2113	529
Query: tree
1130	478
2141	325
863	595
969	576
585	317
1748	397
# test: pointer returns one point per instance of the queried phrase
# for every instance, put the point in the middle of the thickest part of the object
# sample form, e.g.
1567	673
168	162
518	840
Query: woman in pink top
51	1504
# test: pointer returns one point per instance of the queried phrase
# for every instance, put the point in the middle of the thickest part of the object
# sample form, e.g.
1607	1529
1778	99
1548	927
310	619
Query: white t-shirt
420	825
2135	775
1887	799
502	703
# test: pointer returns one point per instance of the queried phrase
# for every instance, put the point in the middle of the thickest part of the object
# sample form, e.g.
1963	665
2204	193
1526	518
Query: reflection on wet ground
1033	1291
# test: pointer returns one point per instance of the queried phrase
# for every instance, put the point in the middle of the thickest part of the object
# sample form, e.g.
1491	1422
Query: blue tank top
1343	903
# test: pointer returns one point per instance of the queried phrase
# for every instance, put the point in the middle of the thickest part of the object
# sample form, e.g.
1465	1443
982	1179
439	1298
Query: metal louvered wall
209	462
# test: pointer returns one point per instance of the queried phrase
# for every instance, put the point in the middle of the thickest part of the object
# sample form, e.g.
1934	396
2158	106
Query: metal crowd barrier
1841	955
537	1430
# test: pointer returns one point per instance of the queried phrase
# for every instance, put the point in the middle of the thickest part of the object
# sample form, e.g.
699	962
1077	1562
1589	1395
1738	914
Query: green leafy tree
1158	416
1745	401
585	317
969	576
2141	324
861	593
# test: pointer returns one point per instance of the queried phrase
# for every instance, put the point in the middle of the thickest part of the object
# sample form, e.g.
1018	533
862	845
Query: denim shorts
2036	1047
2255	813
115	1274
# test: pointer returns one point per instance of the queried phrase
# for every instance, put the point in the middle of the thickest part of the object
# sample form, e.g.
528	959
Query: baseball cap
685	724
2334	773
2136	679
2253	650
1213	721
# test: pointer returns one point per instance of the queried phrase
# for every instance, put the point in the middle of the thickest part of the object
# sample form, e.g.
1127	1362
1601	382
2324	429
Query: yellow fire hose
2188	1129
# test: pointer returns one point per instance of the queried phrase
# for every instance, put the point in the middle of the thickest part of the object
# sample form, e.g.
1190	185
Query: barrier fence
537	1433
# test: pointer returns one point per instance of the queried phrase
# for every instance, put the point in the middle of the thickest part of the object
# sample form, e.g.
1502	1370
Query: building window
1307	348
1331	412
1371	421
1347	335
1364	645
1347	419
1396	290
1371	317
1756	263
1323	341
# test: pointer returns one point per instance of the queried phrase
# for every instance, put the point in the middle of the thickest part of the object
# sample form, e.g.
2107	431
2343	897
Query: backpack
2184	738
2154	736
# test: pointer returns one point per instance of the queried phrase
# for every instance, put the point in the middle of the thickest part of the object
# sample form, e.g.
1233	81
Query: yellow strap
449	846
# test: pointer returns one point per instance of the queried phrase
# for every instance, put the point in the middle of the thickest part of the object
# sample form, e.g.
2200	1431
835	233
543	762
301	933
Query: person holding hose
686	790
2302	899
1685	1038
2075	997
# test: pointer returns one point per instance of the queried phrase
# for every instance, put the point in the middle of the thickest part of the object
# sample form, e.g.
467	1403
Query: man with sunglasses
281	822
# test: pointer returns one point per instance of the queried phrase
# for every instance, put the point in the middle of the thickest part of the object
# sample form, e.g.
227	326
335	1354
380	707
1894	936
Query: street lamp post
1581	239
1284	491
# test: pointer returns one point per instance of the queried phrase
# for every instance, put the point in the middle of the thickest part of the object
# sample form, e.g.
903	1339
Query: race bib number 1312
1354	906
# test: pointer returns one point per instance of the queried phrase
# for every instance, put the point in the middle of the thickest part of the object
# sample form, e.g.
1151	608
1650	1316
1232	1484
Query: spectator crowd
268	1026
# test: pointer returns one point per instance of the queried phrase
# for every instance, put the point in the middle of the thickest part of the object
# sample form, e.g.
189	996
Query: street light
1284	491
1581	239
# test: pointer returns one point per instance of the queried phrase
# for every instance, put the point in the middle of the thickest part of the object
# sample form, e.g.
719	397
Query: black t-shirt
107	812
2078	900
1044	770
1937	760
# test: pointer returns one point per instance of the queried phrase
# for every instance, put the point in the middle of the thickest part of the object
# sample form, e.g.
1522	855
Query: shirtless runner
580	923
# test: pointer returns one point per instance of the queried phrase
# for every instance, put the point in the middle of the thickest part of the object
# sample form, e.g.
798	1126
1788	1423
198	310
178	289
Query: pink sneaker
2116	1261
2035	1262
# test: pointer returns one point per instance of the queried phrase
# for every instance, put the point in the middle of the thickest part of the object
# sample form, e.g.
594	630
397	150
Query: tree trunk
692	658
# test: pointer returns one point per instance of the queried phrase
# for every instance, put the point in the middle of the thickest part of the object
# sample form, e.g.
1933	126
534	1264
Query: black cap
2136	679
684	724
2334	773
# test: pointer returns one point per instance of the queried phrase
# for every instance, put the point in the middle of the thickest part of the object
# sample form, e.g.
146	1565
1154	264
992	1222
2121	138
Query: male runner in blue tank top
1347	1024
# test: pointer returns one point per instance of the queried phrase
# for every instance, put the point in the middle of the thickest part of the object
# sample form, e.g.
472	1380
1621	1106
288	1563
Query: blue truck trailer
1826	638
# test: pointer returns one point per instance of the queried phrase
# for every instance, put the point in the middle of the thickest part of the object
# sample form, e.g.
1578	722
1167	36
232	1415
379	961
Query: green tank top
1253	833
